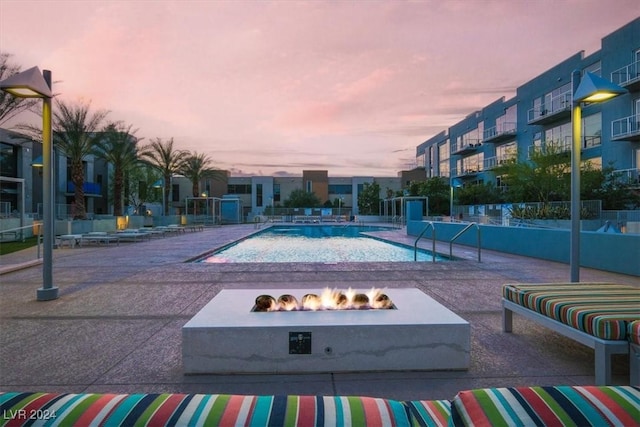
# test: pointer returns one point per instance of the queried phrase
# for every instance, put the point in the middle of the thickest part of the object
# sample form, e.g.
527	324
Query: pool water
311	243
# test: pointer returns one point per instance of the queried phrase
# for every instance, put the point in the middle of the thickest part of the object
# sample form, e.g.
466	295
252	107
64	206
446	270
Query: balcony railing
560	145
89	188
626	128
495	161
499	133
466	171
628	176
467	146
627	76
558	108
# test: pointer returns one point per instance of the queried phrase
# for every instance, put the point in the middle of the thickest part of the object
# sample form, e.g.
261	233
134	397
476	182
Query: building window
443	156
175	193
592	131
309	186
9	160
258	194
276	193
340	188
239	189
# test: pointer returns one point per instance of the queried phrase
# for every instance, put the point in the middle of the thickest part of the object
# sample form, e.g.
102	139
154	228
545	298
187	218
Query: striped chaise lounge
594	314
634	353
543	406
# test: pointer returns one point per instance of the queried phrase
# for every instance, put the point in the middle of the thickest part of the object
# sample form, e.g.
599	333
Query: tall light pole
589	88
453	183
32	83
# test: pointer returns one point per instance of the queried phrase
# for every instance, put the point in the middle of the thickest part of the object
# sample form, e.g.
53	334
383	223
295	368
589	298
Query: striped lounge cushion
633	332
546	406
430	413
200	410
599	309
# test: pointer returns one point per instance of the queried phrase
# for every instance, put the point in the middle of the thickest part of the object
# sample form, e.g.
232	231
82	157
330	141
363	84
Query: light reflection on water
294	246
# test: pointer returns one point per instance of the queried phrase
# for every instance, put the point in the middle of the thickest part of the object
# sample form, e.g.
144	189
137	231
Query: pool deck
116	326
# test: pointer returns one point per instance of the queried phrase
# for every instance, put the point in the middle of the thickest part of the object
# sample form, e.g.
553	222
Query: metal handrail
462	232
22	237
415	244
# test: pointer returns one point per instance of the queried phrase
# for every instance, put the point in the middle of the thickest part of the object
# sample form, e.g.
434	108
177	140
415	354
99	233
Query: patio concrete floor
116	326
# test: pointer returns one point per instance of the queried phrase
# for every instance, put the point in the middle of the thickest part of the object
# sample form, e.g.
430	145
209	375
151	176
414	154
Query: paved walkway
117	324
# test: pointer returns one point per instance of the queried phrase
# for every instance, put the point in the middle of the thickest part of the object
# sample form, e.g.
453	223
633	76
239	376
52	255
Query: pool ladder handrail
472	224
433	238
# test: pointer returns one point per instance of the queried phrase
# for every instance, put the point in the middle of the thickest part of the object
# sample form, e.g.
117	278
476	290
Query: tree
118	146
369	199
140	182
75	134
478	194
196	167
167	160
301	199
437	190
11	106
544	178
613	189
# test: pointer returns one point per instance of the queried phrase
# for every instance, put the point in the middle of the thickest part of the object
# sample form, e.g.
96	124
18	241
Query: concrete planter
84	226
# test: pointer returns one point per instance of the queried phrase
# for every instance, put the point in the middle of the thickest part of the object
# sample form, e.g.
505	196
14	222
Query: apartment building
539	116
259	192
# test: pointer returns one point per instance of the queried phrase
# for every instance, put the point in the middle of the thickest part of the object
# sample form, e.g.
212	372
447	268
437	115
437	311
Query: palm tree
196	167
166	159
118	146
75	134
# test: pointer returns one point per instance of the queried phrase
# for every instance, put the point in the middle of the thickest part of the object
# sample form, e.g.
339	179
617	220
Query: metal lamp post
453	183
32	83
589	88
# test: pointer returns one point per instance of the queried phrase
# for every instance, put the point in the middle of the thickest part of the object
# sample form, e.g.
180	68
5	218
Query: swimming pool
315	243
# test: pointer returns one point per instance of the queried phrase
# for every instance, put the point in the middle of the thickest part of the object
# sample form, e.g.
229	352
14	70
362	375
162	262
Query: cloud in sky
274	87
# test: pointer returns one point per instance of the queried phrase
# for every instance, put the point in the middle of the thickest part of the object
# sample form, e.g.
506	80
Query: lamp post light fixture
589	88
32	83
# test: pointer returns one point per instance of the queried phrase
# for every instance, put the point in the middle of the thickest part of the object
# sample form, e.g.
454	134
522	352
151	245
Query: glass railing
627	176
507	128
625	126
469	144
557	104
627	74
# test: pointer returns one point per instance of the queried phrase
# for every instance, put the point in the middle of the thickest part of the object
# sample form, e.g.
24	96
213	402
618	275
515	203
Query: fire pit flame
329	299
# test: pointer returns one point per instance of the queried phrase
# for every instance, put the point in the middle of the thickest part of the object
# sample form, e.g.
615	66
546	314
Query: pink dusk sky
276	87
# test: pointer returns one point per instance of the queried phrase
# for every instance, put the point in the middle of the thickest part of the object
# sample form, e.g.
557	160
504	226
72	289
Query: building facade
539	116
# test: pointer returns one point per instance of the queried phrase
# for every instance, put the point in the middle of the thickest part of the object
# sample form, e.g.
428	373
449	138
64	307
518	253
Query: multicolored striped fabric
633	332
599	309
548	406
430	413
21	409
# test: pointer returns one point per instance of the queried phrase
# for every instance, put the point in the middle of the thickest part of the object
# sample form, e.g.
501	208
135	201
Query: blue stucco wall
619	253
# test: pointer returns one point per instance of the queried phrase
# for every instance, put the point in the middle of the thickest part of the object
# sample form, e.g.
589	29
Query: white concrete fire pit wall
227	337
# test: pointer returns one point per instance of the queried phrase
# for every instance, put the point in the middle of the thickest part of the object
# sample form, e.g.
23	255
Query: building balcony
559	108
495	161
468	146
91	189
557	146
628	76
628	176
500	133
626	129
466	172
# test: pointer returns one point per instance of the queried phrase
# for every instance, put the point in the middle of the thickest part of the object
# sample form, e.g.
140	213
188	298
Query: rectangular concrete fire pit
227	337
